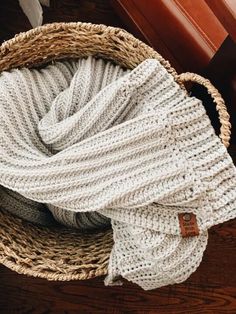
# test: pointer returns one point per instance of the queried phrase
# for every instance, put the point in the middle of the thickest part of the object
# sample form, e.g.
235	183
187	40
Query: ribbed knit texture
94	142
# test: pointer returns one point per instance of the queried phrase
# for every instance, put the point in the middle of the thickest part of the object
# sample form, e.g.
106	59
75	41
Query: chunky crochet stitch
87	141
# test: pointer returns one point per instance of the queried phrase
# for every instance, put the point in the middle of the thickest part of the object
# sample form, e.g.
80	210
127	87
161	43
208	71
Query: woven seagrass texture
60	254
55	253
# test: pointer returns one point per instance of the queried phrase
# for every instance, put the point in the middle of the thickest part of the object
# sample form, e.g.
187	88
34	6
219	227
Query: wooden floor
210	290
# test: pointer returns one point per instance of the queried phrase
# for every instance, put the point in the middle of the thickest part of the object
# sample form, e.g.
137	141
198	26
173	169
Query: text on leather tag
188	225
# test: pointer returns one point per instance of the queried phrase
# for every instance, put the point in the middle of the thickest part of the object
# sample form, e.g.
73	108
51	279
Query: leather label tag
188	225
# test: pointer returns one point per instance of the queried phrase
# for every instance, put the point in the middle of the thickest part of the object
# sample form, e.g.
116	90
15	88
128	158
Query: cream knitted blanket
86	141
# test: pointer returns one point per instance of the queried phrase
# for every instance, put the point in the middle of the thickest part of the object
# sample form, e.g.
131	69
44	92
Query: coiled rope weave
71	255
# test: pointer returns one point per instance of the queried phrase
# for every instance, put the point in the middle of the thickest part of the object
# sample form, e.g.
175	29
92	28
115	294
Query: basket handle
225	129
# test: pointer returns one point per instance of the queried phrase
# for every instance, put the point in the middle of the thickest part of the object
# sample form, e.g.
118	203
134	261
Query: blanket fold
89	143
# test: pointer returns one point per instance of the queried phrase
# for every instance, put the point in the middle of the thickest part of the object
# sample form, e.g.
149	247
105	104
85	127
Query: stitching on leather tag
188	225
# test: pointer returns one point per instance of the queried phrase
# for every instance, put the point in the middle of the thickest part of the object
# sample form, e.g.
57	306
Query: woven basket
60	254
